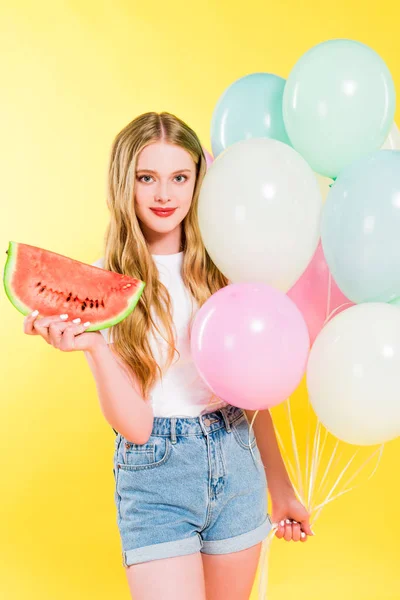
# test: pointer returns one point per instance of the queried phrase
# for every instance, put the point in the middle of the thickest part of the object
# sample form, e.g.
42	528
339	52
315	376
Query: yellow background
73	73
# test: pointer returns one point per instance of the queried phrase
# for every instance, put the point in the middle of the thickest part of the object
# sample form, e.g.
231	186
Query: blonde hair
126	249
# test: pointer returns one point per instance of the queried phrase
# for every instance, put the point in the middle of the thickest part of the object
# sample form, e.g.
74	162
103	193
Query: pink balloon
250	345
209	158
311	294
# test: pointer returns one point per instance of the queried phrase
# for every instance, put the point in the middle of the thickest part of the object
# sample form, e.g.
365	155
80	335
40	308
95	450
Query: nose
162	195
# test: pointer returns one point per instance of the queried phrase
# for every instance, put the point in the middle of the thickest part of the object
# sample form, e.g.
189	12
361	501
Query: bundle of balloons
300	210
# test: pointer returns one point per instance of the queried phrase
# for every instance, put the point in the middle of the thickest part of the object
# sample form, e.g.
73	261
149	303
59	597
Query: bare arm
279	483
121	403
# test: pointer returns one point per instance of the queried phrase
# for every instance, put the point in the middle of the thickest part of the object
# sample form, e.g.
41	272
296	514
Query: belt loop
173	430
226	420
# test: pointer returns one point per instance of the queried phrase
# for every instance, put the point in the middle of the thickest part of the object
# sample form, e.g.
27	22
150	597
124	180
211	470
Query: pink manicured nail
35	313
63	317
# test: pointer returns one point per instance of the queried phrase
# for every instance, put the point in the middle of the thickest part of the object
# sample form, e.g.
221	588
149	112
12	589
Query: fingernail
35	313
76	320
86	324
63	317
312	531
282	523
288	521
303	535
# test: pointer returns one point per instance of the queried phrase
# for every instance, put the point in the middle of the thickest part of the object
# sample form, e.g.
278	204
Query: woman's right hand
63	334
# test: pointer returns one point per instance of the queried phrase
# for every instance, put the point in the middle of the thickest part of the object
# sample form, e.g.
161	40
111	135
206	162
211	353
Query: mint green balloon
338	104
251	107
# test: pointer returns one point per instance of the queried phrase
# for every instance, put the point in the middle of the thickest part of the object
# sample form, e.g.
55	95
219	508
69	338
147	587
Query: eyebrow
155	172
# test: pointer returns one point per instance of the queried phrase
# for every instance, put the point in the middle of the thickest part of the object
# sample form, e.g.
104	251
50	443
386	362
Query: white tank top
181	392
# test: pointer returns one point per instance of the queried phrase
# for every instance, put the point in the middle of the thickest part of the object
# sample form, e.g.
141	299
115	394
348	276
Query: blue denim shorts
195	485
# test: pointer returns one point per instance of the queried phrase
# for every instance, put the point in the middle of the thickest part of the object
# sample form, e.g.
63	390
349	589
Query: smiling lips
163	212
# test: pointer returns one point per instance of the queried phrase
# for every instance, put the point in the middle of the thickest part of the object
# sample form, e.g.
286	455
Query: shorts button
207	422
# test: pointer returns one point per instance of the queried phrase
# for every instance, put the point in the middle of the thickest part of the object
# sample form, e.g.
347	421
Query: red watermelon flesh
54	284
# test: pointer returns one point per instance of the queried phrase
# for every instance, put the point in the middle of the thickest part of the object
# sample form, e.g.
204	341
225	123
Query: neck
165	243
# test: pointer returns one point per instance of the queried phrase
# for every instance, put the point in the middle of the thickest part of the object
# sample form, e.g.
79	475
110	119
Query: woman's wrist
97	345
282	490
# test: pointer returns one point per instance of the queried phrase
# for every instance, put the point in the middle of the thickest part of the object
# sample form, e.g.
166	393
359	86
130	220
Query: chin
162	225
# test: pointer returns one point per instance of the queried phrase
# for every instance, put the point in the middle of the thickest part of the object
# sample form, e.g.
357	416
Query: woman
191	502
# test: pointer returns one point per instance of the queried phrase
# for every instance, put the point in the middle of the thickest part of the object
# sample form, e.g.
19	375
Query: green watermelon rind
25	310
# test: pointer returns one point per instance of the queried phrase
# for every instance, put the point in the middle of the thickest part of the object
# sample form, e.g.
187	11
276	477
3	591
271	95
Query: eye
182	176
140	178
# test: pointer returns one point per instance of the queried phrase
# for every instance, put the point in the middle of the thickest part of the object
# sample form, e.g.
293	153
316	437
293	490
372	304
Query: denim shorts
195	485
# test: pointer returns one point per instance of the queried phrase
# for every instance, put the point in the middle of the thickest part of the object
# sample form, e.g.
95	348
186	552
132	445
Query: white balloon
259	212
392	141
353	374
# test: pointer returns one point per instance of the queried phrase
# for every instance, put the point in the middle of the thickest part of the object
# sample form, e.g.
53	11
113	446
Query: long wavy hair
127	252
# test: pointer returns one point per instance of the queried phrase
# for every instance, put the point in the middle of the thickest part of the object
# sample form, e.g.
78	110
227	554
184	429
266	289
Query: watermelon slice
54	284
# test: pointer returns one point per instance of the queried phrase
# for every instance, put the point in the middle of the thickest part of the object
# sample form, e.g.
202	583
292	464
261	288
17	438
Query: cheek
142	201
185	198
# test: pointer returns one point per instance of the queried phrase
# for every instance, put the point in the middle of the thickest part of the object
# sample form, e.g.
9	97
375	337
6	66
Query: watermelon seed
38	283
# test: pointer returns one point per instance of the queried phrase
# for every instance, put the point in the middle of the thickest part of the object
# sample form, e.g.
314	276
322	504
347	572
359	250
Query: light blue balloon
360	228
251	107
338	104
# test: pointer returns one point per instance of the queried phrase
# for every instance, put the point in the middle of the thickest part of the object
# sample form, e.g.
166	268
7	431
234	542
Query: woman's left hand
293	519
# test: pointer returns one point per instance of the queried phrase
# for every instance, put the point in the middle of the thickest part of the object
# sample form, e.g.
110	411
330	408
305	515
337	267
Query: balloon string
295	448
307	443
330	499
314	463
331	459
336	483
289	466
322	451
335	311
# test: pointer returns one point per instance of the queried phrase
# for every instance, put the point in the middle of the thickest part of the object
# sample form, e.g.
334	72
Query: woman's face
165	179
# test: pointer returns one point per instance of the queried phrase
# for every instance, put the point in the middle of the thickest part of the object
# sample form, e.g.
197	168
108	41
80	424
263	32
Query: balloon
393	139
251	107
338	104
317	295
209	158
250	344
259	212
353	374
392	142
360	228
